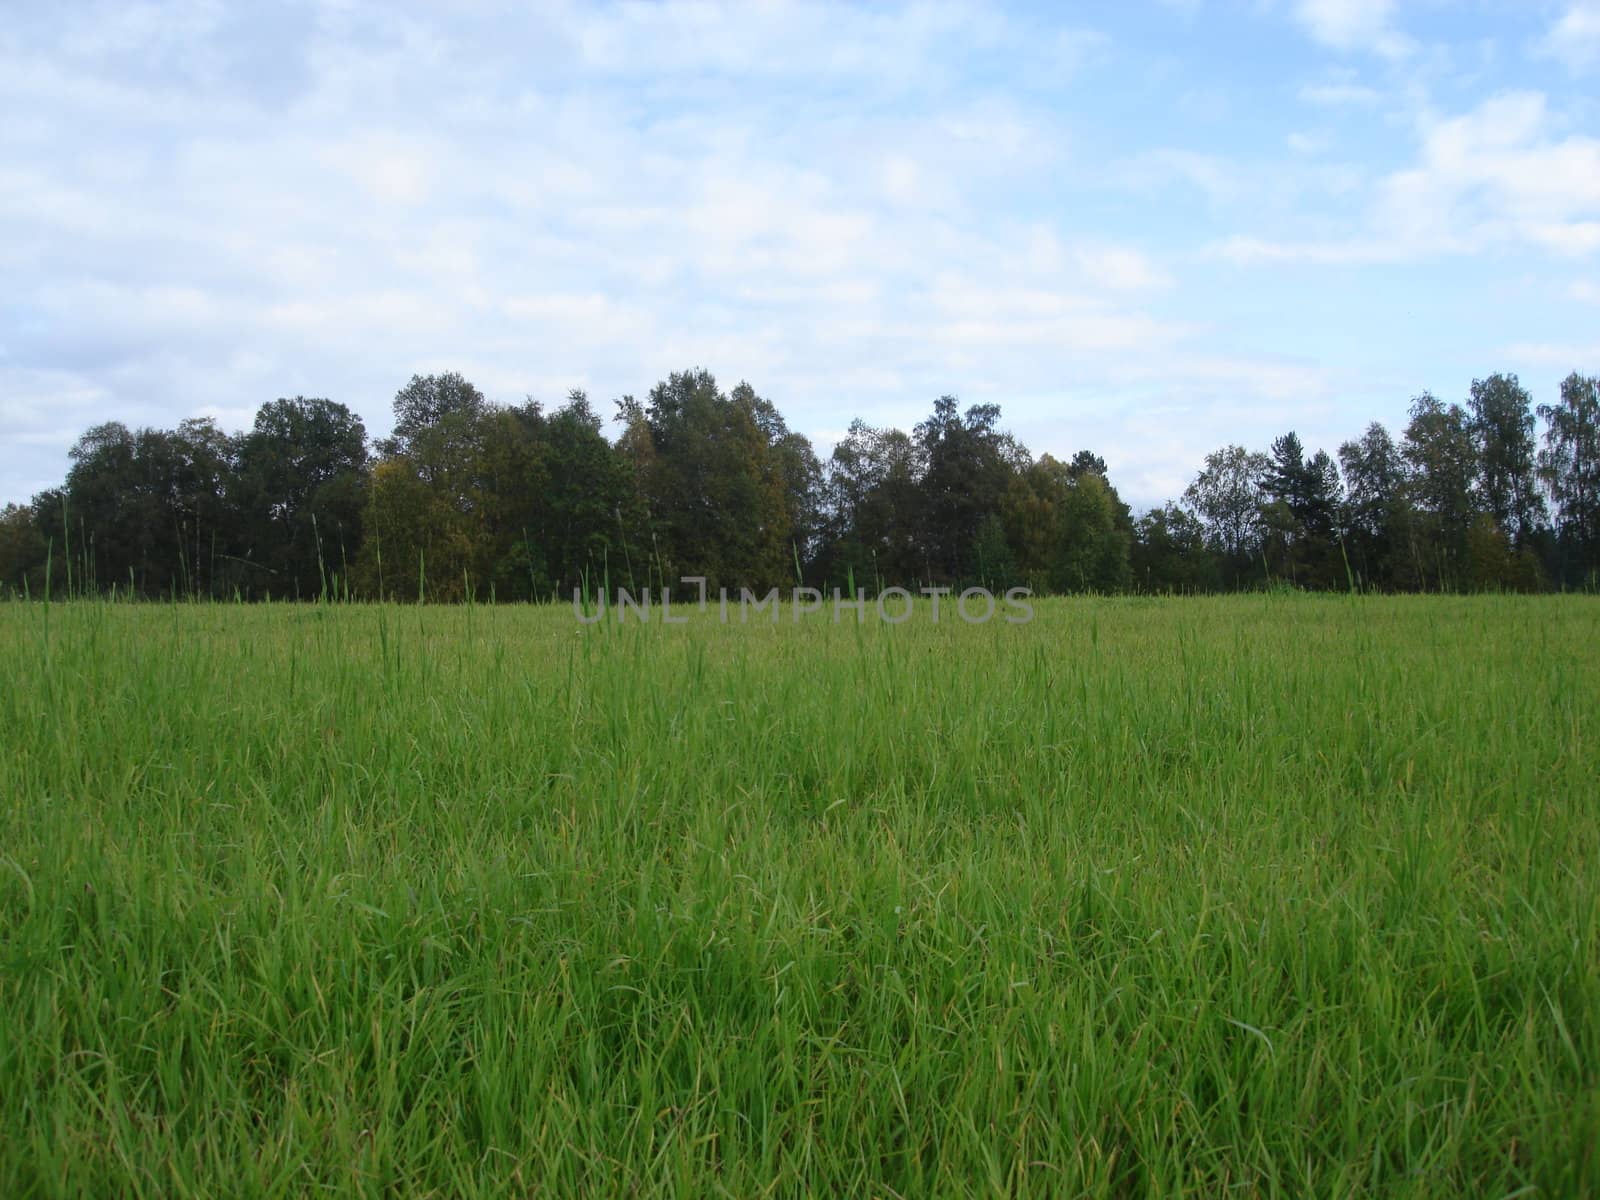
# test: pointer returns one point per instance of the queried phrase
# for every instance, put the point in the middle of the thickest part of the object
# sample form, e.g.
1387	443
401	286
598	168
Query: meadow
1257	895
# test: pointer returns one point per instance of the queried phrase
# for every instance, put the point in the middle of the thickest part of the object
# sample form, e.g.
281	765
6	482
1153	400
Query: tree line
467	498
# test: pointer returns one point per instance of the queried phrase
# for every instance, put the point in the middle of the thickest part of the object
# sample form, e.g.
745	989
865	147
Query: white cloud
1354	25
548	229
1121	269
1560	356
1492	177
1339	94
1497	174
1212	175
1575	37
855	207
1248	251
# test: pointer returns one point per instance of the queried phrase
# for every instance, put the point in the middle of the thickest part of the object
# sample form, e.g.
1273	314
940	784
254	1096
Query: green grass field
1266	895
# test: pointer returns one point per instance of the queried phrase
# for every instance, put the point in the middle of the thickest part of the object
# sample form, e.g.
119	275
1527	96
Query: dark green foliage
431	407
588	489
1169	553
147	509
1442	465
24	549
963	480
872	496
1227	497
297	496
1569	465
1301	531
724	486
1502	432
1069	529
1375	512
470	498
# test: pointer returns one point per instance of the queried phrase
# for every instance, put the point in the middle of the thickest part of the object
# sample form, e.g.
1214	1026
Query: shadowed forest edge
469	498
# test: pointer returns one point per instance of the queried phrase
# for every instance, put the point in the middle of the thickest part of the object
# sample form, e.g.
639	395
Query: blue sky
1146	229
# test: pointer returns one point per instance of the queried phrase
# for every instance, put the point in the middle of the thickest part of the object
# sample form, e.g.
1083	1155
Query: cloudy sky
1144	228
